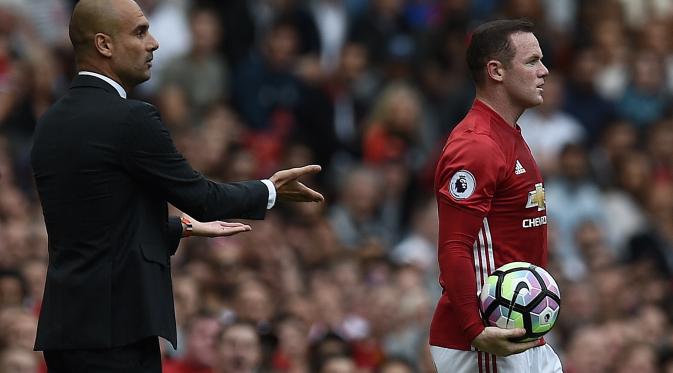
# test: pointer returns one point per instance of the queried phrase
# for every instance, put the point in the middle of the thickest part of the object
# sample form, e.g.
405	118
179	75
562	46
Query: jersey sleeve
468	173
466	183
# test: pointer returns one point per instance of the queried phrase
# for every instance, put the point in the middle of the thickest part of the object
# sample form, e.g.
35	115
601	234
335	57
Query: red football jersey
491	204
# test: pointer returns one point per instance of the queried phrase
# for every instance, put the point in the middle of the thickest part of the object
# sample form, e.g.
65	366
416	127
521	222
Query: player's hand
216	228
496	341
289	188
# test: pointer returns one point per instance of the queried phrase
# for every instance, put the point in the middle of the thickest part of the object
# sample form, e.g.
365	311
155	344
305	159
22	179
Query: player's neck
506	109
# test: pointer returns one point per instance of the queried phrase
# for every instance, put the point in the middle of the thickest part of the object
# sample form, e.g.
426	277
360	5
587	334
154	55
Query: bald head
91	17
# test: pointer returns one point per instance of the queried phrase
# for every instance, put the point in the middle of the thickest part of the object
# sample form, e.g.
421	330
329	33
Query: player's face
524	75
133	45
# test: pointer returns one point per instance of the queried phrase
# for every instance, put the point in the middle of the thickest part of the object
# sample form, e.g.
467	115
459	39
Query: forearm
236	200
457	269
458	232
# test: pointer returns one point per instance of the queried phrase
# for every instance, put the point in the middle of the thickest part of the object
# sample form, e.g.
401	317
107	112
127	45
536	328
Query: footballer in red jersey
490	197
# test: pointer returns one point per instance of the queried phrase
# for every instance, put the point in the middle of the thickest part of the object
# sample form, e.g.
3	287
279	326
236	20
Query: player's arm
458	232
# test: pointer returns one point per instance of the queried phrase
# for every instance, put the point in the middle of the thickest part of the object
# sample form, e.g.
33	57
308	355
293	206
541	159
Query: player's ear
495	70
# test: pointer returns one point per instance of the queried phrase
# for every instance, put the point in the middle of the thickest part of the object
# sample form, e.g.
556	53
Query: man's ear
103	44
496	70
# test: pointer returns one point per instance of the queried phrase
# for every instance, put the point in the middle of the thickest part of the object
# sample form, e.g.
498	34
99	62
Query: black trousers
140	357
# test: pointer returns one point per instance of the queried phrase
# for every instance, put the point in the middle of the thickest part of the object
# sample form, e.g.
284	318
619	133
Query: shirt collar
114	84
494	114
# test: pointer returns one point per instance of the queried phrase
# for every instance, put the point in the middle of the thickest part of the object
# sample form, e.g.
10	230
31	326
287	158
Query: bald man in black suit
105	168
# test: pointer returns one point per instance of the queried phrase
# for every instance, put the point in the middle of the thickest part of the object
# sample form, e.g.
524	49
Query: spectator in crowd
447	89
187	303
418	247
547	129
17	360
572	199
293	12
581	97
265	89
34	271
20	326
335	136
356	218
396	365
381	28
658	138
239	349
587	352
292	352
12	288
327	346
616	141
654	242
201	334
621	200
609	36
201	76
638	358
645	100
338	364
396	129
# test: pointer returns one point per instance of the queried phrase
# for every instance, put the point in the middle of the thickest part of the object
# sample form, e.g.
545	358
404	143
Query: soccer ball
521	295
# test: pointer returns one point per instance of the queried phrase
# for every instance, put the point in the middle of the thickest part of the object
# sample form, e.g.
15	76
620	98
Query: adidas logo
518	170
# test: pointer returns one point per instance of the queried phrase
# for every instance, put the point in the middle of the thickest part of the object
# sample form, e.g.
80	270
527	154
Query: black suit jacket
105	168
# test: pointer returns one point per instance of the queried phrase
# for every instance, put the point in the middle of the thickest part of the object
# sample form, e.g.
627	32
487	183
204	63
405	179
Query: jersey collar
480	105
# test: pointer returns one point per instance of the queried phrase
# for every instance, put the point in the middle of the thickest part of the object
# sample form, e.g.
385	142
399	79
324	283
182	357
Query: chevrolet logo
536	198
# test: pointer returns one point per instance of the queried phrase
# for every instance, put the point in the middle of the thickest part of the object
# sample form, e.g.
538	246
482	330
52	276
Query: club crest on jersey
462	184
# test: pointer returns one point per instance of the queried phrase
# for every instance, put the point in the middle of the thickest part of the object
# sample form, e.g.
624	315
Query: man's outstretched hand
214	228
289	188
496	341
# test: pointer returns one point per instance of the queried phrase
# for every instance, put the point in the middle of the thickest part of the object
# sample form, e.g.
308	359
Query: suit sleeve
148	153
466	182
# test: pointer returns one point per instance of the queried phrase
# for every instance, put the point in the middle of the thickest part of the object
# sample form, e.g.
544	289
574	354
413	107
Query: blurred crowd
369	89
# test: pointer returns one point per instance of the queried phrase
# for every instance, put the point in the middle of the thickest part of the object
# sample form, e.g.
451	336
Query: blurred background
370	90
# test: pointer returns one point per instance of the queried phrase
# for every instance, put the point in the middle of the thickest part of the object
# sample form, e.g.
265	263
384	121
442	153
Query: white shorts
540	359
